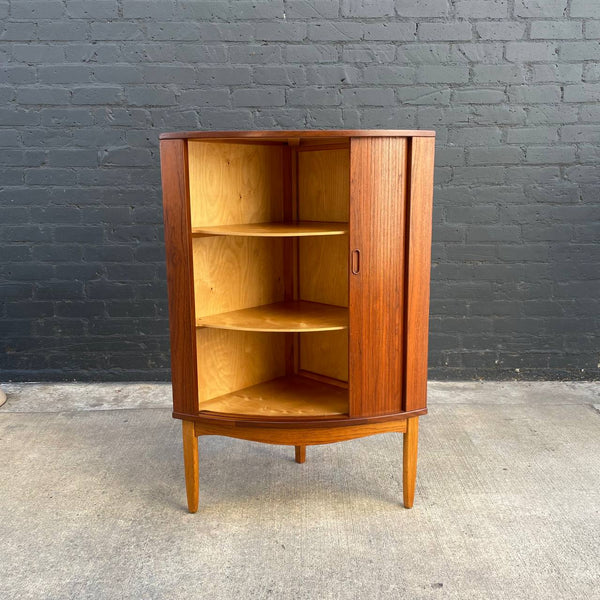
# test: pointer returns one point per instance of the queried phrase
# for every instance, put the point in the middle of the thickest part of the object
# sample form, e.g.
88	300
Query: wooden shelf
299	316
289	229
282	397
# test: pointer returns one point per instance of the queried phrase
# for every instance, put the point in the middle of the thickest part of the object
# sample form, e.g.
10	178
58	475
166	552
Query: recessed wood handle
355	262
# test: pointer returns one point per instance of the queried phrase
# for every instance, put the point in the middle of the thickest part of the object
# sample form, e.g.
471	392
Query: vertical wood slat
289	252
420	205
180	281
377	230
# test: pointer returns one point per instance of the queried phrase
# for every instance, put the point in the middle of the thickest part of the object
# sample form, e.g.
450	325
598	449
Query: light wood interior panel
324	194
323	270
233	273
235	183
324	185
232	360
325	353
295	315
283	397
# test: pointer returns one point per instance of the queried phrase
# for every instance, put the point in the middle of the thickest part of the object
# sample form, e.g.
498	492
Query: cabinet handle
355	265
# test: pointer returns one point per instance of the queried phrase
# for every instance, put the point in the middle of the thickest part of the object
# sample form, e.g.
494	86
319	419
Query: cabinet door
378	193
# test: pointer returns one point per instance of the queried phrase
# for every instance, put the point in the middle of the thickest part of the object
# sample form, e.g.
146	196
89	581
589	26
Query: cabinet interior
270	259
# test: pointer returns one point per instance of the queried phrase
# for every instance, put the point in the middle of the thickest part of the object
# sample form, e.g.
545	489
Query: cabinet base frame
300	438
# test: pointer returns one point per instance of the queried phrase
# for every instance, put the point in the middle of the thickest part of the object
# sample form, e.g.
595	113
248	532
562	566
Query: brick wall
511	86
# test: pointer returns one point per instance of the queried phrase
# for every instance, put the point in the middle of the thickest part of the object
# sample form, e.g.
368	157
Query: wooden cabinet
298	274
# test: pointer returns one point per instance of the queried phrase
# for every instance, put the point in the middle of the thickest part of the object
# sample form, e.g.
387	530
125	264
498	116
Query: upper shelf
289	229
298	315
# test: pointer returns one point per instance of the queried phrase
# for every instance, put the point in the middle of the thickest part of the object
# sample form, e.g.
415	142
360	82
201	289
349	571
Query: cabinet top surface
301	134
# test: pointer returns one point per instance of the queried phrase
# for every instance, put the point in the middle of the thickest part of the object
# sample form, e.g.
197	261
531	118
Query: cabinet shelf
293	396
298	316
283	229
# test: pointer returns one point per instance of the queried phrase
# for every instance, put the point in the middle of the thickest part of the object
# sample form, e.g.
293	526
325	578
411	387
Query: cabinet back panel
323	185
232	360
323	269
235	183
232	273
324	195
325	353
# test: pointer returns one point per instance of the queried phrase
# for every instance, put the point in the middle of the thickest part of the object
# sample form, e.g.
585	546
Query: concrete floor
507	504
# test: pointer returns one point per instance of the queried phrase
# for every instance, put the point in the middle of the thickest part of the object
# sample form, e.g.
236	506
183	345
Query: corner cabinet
298	274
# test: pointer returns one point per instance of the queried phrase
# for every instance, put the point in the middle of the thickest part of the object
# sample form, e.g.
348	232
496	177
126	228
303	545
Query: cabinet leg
409	462
300	453
190	462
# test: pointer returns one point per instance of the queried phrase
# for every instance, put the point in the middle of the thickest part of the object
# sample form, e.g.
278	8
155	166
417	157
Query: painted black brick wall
511	86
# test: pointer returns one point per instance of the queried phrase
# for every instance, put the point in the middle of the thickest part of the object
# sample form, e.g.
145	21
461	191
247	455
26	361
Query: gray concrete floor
92	503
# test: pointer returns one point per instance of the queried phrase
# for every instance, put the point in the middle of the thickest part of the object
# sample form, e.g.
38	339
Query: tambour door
391	181
377	253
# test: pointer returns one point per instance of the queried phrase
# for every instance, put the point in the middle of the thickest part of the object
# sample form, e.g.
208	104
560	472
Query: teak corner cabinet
298	273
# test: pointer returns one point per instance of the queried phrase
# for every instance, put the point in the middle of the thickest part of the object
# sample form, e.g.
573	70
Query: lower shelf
282	397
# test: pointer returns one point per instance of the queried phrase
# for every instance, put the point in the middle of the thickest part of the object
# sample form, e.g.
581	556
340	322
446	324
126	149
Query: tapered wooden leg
300	453
409	462
190	462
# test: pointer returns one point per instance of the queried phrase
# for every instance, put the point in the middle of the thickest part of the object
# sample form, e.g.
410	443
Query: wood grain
290	250
300	134
235	183
324	194
323	378
292	316
409	461
233	273
232	360
190	463
377	226
258	227
324	185
292	396
323	270
300	454
295	422
299	436
418	271
323	277
289	229
325	353
173	157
